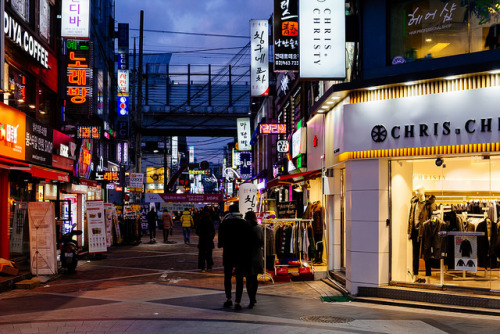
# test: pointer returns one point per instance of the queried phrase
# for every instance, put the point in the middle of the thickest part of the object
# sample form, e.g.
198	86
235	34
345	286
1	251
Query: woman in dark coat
206	232
256	265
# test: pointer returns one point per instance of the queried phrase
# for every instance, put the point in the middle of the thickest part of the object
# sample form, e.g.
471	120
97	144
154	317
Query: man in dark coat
234	238
152	217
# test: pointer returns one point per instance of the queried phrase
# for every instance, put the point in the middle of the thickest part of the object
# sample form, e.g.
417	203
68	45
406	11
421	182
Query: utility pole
139	95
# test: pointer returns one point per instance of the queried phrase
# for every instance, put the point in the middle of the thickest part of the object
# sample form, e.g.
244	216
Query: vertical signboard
245	167
96	227
123	81
259	53
75	18
39	142
191	154
79	76
244	134
248	197
322	39
286	36
43	253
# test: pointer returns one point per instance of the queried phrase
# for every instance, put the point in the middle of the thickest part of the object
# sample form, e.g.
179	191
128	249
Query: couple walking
242	241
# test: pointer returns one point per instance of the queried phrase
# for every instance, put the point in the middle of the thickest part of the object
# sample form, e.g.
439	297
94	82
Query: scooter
69	250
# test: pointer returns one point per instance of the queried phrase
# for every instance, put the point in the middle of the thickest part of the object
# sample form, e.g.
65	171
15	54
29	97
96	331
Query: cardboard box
28	284
6	269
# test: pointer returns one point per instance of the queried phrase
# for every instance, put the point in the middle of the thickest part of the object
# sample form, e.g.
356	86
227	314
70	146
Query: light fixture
32	106
495	72
335	98
451	77
372	88
329	102
20	100
41	111
156	151
428	39
410	83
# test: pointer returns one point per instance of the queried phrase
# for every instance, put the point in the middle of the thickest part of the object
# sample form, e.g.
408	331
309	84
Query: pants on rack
252	286
228	273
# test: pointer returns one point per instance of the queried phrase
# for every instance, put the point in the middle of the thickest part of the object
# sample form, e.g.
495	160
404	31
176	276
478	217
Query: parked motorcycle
69	250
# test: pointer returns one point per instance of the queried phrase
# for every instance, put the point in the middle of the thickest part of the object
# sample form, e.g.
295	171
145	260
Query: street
157	288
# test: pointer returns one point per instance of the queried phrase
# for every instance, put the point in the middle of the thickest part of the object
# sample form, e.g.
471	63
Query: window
21	7
45	19
424	29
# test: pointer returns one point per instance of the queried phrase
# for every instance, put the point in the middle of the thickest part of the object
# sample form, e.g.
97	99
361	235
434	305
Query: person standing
152	217
234	239
187	223
168	223
256	266
206	232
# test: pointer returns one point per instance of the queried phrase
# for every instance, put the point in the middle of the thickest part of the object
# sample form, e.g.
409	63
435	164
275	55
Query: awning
293	178
46	173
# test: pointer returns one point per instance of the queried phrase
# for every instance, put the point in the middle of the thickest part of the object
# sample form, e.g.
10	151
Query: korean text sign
244	134
259	53
75	18
286	36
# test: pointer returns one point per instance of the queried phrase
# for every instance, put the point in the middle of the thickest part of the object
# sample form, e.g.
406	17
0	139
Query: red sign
12	132
183	198
272	129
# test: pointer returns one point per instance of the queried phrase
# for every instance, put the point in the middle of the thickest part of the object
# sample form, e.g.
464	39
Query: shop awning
51	174
293	178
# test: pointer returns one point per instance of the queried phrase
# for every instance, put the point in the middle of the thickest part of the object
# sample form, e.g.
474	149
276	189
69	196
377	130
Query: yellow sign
155	175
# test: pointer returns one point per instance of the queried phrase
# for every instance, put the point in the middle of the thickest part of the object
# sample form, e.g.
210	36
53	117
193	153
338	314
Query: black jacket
206	232
235	238
431	241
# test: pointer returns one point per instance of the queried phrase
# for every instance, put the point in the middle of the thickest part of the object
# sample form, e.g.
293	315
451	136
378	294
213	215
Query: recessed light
335	98
495	72
452	77
372	88
410	83
329	102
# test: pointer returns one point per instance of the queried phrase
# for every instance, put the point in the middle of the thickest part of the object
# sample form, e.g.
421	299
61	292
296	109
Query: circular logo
379	133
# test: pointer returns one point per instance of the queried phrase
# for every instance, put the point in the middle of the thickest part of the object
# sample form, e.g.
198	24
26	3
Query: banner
111	221
182	198
248	197
43	252
96	227
259	62
286	36
322	39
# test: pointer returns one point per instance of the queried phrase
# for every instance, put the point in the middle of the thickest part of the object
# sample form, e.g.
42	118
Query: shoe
251	305
228	304
237	307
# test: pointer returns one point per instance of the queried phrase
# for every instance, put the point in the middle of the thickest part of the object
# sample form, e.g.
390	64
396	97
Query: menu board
42	238
96	227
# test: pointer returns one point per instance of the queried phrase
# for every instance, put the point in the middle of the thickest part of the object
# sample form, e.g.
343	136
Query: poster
19	220
110	212
69	212
43	252
465	252
96	227
259	64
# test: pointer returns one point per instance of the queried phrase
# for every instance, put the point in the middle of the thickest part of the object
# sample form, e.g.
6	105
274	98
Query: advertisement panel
259	52
43	252
286	36
322	39
12	132
123	81
248	197
75	18
96	227
136	182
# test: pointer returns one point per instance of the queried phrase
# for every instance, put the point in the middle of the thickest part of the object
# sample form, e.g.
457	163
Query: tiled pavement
156	288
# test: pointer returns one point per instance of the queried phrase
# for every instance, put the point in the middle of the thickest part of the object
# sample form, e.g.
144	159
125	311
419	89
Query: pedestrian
206	232
256	265
168	223
187	224
152	217
234	232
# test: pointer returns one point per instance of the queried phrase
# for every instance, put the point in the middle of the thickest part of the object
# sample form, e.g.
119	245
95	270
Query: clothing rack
270	221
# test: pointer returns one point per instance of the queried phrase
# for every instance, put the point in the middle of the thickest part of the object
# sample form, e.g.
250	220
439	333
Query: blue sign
122	61
122	105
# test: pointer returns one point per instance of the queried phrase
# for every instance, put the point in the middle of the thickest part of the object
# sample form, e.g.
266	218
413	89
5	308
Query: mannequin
431	241
318	225
420	211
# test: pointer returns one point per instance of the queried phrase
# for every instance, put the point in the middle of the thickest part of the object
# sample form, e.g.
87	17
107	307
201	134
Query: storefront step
468	302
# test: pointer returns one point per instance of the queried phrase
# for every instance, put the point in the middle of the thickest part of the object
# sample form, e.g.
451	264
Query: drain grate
326	319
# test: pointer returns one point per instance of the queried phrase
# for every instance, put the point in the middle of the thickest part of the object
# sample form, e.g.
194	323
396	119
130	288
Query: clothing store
415	191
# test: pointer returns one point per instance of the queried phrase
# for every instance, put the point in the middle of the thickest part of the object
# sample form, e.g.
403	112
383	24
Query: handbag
305	270
281	271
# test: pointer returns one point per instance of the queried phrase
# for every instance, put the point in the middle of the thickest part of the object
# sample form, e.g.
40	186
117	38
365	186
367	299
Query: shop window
445	219
425	29
46	104
44	22
21	89
22	8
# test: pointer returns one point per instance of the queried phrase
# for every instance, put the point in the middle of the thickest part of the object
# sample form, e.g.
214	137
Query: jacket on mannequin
420	211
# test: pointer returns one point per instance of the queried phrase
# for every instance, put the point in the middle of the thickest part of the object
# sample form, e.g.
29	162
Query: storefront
416	184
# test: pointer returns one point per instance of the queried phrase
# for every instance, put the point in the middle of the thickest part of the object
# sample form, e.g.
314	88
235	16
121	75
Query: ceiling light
156	151
41	111
20	100
329	102
335	98
372	88
32	106
410	83
495	72
452	77
428	39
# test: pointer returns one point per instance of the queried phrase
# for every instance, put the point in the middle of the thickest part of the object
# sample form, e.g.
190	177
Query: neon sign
272	129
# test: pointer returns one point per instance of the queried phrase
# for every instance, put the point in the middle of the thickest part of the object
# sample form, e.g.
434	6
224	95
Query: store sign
191	154
12	132
79	74
39	142
322	39
18	35
245	167
136	182
435	120
88	132
109	176
75	18
199	172
286	36
155	174
282	146
123	81
123	103
244	134
248	197
64	145
83	166
272	129
259	53
182	198
315	142
299	142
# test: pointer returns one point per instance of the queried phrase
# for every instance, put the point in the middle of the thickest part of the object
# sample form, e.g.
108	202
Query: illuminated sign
191	154
79	77
123	81
123	105
12	132
322	39
75	18
272	129
23	39
244	134
259	52
88	132
200	172
110	176
286	36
